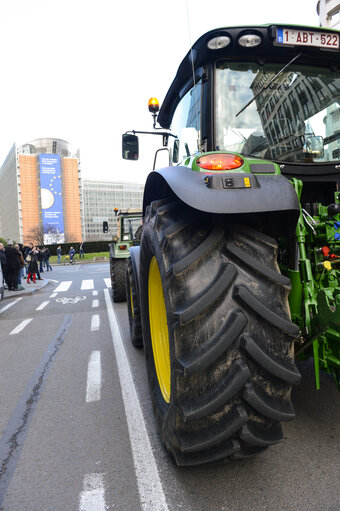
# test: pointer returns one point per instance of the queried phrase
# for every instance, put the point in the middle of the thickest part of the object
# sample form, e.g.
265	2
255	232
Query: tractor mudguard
112	251
226	193
134	254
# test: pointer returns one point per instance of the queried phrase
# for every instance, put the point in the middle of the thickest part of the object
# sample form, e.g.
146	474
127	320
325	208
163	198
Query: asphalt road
77	429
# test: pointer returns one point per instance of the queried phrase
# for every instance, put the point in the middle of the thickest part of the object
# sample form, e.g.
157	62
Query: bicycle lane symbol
64	300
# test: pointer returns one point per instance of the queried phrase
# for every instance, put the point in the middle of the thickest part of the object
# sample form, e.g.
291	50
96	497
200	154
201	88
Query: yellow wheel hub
131	305
159	330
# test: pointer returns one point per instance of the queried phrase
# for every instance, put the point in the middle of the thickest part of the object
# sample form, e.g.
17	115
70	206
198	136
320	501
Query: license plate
289	36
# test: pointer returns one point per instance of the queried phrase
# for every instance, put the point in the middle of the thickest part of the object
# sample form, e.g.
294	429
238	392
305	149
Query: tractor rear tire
133	307
118	269
217	333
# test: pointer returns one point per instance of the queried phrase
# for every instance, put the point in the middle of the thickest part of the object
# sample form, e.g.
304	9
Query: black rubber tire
118	269
230	335
133	307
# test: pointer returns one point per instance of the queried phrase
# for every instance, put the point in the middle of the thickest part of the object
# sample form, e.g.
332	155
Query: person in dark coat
32	259
40	258
13	263
3	261
21	269
47	256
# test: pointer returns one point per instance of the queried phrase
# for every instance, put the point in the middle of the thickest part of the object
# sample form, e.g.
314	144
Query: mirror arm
164	134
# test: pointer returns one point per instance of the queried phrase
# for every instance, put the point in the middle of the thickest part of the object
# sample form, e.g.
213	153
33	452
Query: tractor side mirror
105	227
130	147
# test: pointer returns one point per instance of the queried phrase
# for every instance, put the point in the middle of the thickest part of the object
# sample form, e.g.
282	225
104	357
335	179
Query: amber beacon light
220	161
153	105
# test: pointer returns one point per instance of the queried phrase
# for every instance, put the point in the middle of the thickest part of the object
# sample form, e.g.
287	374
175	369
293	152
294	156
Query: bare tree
37	234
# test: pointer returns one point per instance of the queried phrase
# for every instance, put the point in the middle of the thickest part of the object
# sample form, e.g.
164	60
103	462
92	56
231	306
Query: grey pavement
28	288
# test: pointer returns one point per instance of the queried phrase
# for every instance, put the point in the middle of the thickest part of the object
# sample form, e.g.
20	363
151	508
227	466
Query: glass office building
100	198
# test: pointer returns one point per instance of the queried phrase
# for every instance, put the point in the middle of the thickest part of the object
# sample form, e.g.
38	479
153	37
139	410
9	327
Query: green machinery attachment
315	296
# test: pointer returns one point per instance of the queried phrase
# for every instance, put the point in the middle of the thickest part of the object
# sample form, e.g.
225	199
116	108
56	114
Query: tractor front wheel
118	268
133	307
217	334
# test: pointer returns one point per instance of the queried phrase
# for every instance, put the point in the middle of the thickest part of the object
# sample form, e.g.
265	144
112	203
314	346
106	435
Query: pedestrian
32	259
27	250
59	253
3	261
47	256
40	259
81	251
13	263
71	253
21	269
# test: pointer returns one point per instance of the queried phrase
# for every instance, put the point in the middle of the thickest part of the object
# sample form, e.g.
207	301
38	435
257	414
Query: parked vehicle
128	234
238	266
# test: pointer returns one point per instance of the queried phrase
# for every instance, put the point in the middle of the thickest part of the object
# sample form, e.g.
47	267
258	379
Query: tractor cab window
295	119
186	124
129	228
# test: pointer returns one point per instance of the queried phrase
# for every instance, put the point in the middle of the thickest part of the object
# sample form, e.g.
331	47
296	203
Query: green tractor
238	270
129	230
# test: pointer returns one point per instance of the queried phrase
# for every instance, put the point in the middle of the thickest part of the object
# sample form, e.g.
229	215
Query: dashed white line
95	293
10	305
63	286
87	284
53	295
94	378
149	483
95	303
107	282
92	498
21	326
42	306
95	322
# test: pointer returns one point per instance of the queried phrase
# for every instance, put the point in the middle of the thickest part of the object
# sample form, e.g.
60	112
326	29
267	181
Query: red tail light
220	161
122	247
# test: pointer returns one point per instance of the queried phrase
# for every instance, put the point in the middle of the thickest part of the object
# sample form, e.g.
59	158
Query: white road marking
95	303
63	286
64	300
53	295
95	322
94	378
87	284
94	293
10	305
42	306
92	498
21	326
107	282
149	483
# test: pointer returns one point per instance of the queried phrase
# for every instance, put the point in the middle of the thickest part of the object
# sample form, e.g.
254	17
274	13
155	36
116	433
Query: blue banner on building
51	198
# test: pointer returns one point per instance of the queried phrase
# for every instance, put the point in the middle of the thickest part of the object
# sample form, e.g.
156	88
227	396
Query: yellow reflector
327	265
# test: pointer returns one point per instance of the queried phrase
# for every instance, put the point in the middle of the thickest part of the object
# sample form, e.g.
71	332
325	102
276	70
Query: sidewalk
83	261
29	288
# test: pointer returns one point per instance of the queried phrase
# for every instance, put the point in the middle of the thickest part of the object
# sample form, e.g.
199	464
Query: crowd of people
29	261
18	262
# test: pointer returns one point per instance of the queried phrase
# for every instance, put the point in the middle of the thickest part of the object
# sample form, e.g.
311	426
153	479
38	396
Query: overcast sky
84	70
